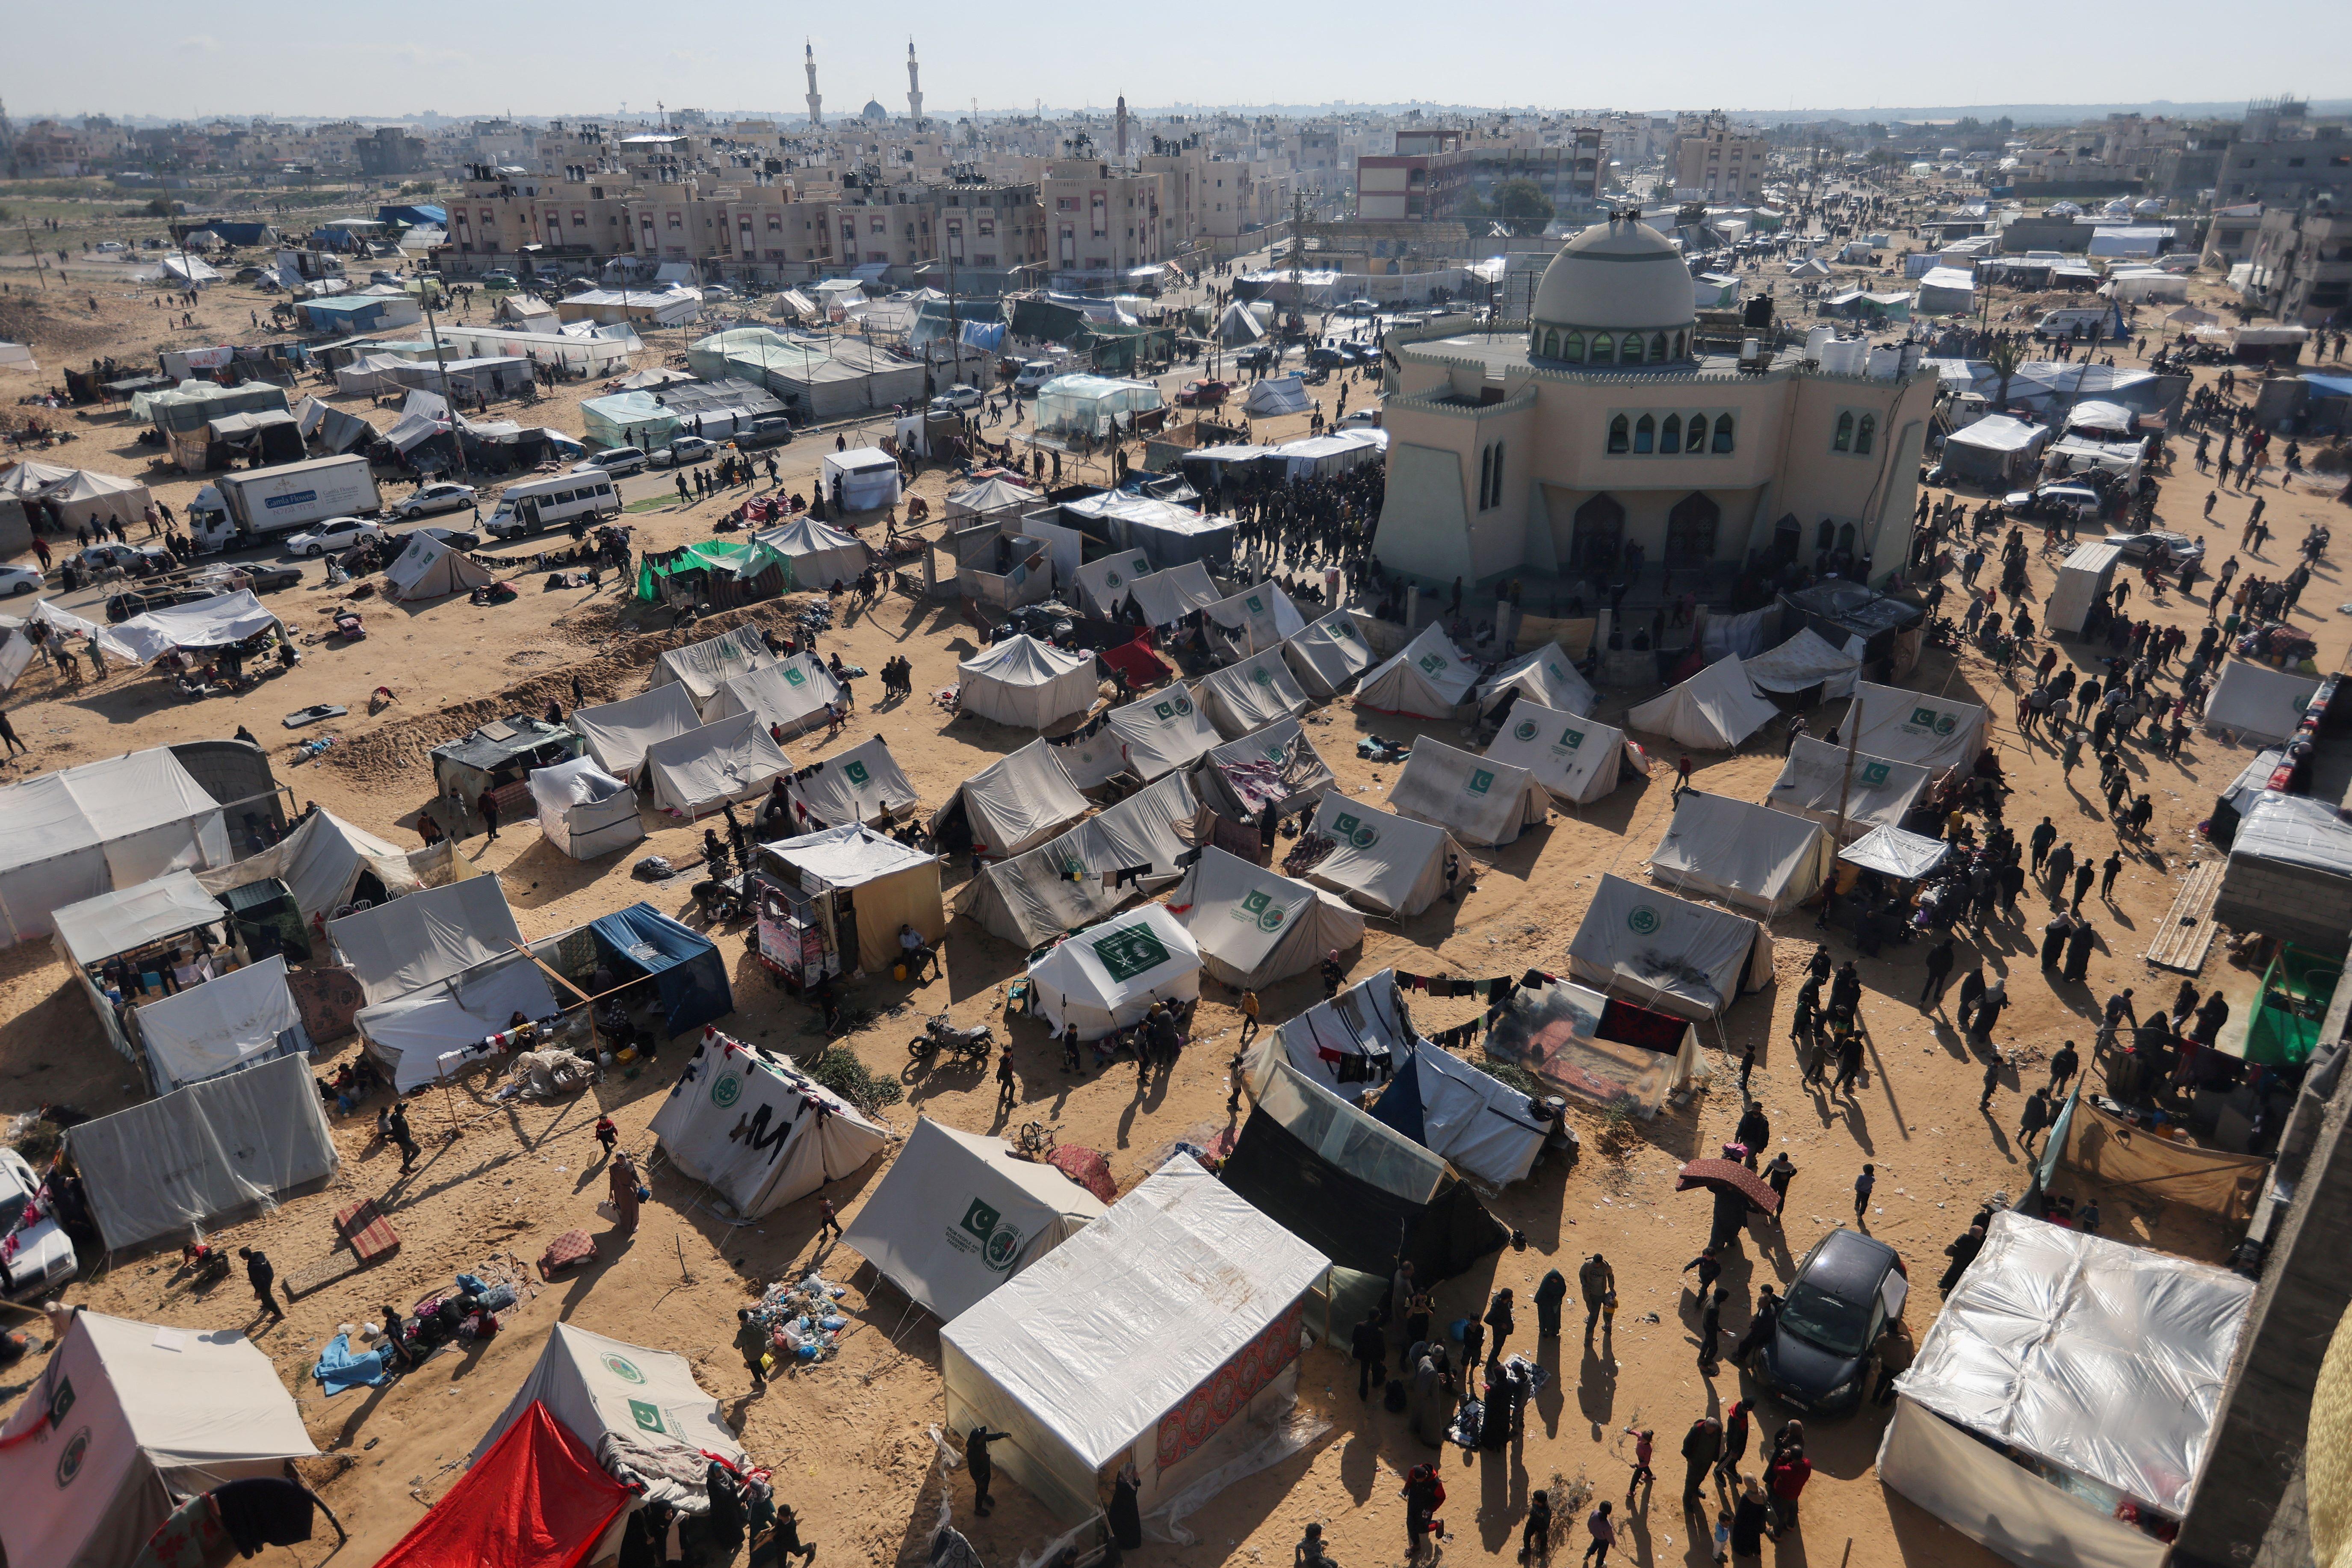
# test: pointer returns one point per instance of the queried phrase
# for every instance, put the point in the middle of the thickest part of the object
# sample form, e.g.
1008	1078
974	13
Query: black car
263	577
1326	357
773	431
457	539
1252	358
121	607
1831	1317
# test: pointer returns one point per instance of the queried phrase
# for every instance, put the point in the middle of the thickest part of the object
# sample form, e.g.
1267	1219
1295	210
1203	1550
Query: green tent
739	572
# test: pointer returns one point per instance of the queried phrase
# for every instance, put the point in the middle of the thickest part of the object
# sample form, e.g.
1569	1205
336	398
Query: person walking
1597	1281
489	809
1710	1332
1991	1082
2044	838
828	1222
975	1453
8	738
1369	1349
396	1127
2083	876
2063	1067
1250	1009
2034	1121
621	1187
1499	1320
1008	1087
1940	959
1550	1292
1702	1451
608	1134
1604	1536
1736	1423
1535	1534
1972	990
260	1275
2109	869
751	1343
1861	1190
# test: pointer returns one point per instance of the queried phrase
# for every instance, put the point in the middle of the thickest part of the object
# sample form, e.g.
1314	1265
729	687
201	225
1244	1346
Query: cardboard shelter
758	1130
1477	801
1714	711
1329	654
1028	684
1251	695
1390	865
1276	766
79	832
1106	976
617	733
584	811
1117	1346
863	784
792	695
1075	879
1428	679
429	569
1935	732
957	1214
1255	927
702	668
1880	792
1577	760
1751	855
1165	732
1544	676
1667	952
731	759
1010	805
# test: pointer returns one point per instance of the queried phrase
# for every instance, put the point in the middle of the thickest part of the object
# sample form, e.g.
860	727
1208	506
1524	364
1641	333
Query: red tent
1137	661
537	1499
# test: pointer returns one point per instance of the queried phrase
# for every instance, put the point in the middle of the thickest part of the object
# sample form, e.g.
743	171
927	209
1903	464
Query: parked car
109	247
246	275
2174	550
45	1257
1820	1351
1324	356
2058	498
682	451
335	533
262	577
121	607
775	430
1033	375
1204	394
500	280
457	539
1360	419
1262	355
96	559
1360	353
15	580
437	498
1360	308
958	398
616	461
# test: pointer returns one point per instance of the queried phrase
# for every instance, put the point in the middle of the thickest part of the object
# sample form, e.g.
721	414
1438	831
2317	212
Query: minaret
1121	120
914	86
816	100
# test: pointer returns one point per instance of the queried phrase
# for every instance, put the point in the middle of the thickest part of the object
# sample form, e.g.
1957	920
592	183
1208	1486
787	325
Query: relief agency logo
1572	739
858	774
1928	718
1128	952
622	1367
986	1232
1525	730
1434	663
793	676
1643	921
725	1088
69	1462
1481	781
1260	908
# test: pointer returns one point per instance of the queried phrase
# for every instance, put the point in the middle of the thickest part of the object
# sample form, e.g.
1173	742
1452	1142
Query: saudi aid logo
1643	921
725	1088
1350	828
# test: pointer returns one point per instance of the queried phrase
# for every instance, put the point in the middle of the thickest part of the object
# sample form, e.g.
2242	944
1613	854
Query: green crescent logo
1643	921
648	1418
856	772
1433	662
1263	676
1163	710
1572	739
1481	781
1875	774
794	677
1256	606
726	1090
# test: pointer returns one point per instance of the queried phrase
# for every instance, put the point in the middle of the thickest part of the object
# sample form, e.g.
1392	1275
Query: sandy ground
847	1438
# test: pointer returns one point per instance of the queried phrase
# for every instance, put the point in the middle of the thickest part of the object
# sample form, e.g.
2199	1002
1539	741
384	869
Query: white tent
1255	926
1390	865
2254	702
1813	778
126	1419
412	942
702	668
1251	695
2082	581
1252	621
1575	759
1545	677
1166	597
1667	952
761	1132
1276	396
439	1027
1163	733
1072	882
1276	766
890	885
76	833
1329	654
864	478
617	733
1028	684
863	784
95	929
207	622
1015	804
728	760
794	695
1937	732
593	1385
1472	1120
956	1215
1995	449
584	811
820	553
329	864
2067	1373
1166	1333
1714	711
230	1021
1804	662
1480	802
1907	857
993	495
1103	586
429	569
1368	1019
1106	976
1428	679
1718	848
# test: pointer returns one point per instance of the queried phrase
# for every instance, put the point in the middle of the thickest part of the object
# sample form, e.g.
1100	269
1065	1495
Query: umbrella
1729	1176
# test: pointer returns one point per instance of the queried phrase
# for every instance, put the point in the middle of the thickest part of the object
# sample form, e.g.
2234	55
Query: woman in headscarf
623	1183
1433	1396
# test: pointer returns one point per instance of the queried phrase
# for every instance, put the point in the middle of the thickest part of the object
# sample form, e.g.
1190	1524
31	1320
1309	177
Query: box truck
241	509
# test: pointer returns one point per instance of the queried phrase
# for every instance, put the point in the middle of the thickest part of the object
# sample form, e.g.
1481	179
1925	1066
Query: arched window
1864	433
1845	441
1845	538
1551	345
1696	440
1486	474
1678	345
1645	434
1658	348
1723	432
1572	346
1604	348
1535	340
1495	492
1620	434
1631	352
1826	538
1670	434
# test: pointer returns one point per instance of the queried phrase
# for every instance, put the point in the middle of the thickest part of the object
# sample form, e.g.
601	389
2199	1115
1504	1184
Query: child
1535	1539
1608	1312
1644	1441
1861	1185
1722	1535
607	1134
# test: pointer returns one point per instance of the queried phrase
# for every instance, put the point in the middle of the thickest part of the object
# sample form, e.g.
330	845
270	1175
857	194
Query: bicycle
1034	1140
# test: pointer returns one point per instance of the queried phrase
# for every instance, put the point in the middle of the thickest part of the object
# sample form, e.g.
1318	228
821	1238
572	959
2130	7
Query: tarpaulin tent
1163	733
605	1391
1546	676
958	1215
795	694
1478	801
584	811
207	624
1276	397
1028	684
731	759
1714	711
1329	654
1013	804
1879	793
617	733
1103	586
863	784
702	668
820	553
1250	695
536	1498
761	1132
227	1145
1166	597
77	833
429	569
2254	702
1805	662
1072	881
892	884
1255	927
629	418
1428	679
429	936
94	929
724	574
1168	534
1892	852
1390	865
1762	859
1575	759
86	496
1937	732
439	1027
1106	976
1667	952
125	1420
329	864
1276	766
1616	1054
1995	450
2103	1148
995	494
1238	325
690	975
1253	621
863	479
1116	1348
2067	1373
1474	1121
2083	579
229	1022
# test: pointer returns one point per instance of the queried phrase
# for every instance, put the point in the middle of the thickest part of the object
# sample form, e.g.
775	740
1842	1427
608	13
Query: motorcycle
972	1045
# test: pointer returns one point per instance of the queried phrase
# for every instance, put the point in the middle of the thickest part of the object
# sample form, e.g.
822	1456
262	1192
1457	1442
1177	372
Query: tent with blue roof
687	973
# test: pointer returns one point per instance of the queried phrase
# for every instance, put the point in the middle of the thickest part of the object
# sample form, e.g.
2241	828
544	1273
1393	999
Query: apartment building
2282	158
1422	181
1102	221
2300	268
1715	160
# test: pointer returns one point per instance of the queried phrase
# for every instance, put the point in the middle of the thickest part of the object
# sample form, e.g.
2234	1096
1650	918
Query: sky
587	58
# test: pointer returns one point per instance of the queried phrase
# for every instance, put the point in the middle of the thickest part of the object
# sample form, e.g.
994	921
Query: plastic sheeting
690	975
728	760
1016	803
1611	1053
1163	733
1093	404
1804	662
1276	766
863	784
956	1216
1070	882
1250	694
795	694
95	929
1574	758
1937	732
1390	865
1106	976
1480	802
617	733
224	1145
584	811
1329	654
2112	1152
1813	778
536	1499
429	569
1751	855
2000	1504
322	862
438	1027
866	478
79	832
759	1130
412	942
229	1022
1714	711
593	1385
1276	396
1474	1121
207	622
1028	684
702	668
2254	702
1892	852
1667	952
1428	679
1546	676
1253	926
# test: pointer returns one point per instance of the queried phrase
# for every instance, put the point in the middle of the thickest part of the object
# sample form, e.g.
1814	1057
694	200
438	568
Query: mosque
1597	441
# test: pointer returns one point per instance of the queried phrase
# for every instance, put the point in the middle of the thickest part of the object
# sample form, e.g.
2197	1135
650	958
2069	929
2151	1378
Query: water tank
1911	355
1751	349
1817	339
1883	362
1844	356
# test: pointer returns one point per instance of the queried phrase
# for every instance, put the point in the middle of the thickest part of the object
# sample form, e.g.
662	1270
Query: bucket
897	972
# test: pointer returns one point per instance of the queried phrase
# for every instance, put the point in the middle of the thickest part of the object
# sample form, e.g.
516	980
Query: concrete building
1422	181
2300	265
2282	158
1103	223
1713	160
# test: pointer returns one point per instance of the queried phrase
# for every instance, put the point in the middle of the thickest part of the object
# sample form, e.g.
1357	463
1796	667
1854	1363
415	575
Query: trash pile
801	1319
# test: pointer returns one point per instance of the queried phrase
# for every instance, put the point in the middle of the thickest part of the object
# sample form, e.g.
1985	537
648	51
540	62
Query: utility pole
40	262
457	434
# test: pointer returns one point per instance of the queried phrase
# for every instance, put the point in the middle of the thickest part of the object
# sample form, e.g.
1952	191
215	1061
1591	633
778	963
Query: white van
2090	323
1033	375
550	504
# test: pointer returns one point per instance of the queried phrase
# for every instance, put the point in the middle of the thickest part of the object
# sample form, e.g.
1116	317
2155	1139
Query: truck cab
211	530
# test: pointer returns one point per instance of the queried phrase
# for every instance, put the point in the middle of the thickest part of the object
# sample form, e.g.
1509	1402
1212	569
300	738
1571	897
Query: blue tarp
339	1369
2328	385
1398	1107
987	335
687	971
418	216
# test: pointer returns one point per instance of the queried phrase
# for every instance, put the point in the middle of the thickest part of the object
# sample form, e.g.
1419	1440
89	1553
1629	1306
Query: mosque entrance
1690	532
1599	532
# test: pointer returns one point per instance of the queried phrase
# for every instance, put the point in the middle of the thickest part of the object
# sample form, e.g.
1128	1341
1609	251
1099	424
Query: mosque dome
1619	293
874	109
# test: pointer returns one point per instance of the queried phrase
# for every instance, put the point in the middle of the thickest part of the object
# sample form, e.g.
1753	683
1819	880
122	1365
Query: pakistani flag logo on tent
1481	781
1572	739
1434	662
1875	774
794	677
1163	710
1263	676
1256	606
979	1219
1139	567
726	1090
857	774
1260	907
1350	827
648	1418
1128	952
1928	718
1525	730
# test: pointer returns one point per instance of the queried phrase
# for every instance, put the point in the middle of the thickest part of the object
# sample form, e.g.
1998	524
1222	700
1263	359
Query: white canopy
956	1215
1276	396
1106	976
1895	853
1714	711
1480	802
728	760
1167	598
863	784
2255	702
1880	793
1718	848
1071	882
95	929
821	555
1472	1120
1999	433
230	1021
1252	621
1667	952
324	862
1251	695
869	478
593	1385
1016	803
152	1413
400	947
990	495
795	694
584	811
1544	676
207	622
1575	759
1028	684
1804	662
617	733
1937	732
702	668
1164	732
732	1105
437	1027
429	569
1255	926
1390	865
1428	679
1329	654
76	833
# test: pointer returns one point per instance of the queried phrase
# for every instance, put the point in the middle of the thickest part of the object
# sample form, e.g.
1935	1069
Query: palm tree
2004	354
